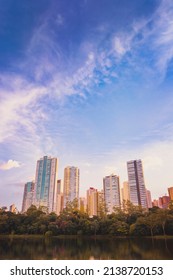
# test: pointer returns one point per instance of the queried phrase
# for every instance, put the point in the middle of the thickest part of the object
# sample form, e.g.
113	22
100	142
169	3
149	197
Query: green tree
163	216
149	221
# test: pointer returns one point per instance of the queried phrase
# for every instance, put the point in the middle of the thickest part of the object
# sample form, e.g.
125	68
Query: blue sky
89	82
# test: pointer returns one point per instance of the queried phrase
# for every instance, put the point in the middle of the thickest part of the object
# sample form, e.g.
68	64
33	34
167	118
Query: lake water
82	248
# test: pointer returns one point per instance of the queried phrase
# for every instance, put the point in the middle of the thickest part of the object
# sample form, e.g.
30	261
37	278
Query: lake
85	248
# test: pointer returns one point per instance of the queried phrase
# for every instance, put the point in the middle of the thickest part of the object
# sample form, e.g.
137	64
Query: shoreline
38	236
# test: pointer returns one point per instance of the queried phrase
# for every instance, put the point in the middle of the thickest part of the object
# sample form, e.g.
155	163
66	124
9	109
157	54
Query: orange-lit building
170	191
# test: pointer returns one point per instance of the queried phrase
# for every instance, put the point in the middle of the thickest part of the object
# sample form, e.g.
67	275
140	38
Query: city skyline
90	85
52	193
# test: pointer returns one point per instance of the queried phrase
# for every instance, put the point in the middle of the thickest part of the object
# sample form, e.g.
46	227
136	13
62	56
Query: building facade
28	196
13	208
59	202
92	202
163	201
101	204
136	182
170	191
125	192
111	188
83	204
46	184
155	203
71	184
149	200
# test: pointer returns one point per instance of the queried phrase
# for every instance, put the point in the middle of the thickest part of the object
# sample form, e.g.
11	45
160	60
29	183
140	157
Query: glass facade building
136	183
46	184
28	196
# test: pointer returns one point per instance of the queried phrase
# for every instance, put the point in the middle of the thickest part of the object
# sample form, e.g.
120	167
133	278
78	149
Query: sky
89	82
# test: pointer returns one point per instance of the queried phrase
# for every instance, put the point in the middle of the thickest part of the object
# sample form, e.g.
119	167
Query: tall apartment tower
83	204
28	196
149	200
101	203
92	202
170	191
71	184
125	191
46	183
136	183
59	202
111	188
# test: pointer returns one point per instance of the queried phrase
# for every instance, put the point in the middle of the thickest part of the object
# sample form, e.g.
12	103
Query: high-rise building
170	191
59	186
163	201
125	191
13	208
136	183
92	202
155	203
71	184
82	204
111	188
149	200
101	204
59	203
46	184
28	196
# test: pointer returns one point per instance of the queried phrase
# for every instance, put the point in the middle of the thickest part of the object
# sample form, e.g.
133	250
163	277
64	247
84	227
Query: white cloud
18	108
9	164
163	34
122	44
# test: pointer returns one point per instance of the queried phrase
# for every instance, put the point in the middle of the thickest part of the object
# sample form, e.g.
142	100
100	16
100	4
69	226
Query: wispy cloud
163	39
9	164
46	60
122	44
18	106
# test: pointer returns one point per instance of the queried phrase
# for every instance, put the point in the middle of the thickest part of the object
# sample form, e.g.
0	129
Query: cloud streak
101	63
10	164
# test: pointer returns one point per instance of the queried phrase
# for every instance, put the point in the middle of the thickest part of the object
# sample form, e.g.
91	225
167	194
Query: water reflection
85	248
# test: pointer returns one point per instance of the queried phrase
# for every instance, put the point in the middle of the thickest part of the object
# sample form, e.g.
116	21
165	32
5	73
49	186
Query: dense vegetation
134	221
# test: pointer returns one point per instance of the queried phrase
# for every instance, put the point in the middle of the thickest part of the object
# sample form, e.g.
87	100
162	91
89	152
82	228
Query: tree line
131	221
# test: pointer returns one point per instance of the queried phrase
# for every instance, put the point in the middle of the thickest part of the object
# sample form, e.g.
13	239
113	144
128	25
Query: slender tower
111	189
71	184
27	196
92	202
46	183
136	183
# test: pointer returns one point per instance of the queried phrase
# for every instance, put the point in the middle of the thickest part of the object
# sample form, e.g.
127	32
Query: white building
111	188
